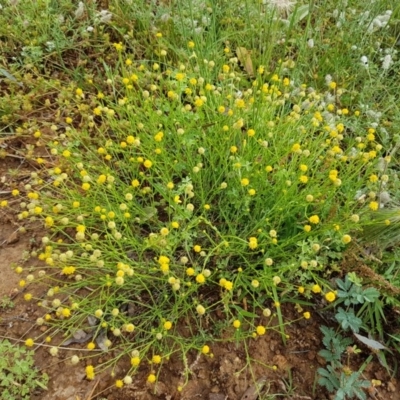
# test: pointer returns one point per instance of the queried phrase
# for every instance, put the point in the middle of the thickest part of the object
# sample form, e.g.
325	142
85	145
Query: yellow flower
253	244
68	270
346	239
29	342
314	219
164	231
163	260
373	178
296	147
200	309
374	205
197	248
159	136
200	278
276	280
306	315
205	349
228	285
89	372
198	102
177	199
101	179
135	361
307	228
86	186
255	283
119	383
240	104
316	288
191	45
244	182
167	325
49	222
303	168
236	324
66	312
81	228
303	178
330	296
156	359
151	378
190	272
301	289
260	330
118	46
135	183
91	346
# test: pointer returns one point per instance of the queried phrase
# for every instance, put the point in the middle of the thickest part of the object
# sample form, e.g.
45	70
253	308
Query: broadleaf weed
19	378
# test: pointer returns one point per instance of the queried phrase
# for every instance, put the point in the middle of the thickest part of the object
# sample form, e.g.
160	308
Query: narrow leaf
9	76
372	344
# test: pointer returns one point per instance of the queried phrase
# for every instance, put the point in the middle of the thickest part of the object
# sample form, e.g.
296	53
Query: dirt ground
220	377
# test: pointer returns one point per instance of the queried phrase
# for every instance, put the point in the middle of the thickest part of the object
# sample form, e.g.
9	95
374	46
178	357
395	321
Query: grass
194	160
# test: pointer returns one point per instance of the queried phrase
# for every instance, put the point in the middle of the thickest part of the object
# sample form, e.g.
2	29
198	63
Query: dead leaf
80	336
92	320
102	339
254	390
244	57
372	344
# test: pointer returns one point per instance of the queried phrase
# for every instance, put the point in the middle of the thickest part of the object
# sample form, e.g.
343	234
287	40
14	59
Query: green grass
200	160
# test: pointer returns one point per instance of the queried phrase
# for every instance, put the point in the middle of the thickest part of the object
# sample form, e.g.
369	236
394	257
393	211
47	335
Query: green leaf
299	14
245	313
371	294
42	385
347	319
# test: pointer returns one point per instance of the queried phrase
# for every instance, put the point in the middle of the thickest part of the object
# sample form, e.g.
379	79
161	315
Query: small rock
281	362
202	374
380	375
391	387
217	396
13	238
311	355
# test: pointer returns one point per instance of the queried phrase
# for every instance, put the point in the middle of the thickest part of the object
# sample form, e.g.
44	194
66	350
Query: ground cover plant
193	180
19	377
